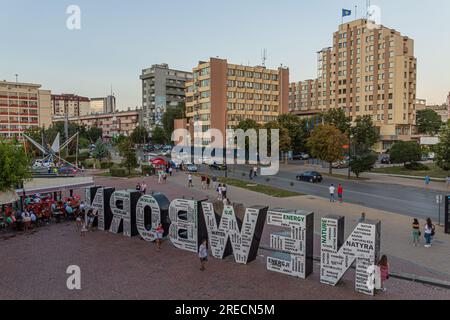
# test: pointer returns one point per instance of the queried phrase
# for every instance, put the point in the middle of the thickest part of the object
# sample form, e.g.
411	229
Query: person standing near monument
429	232
384	271
203	254
416	232
159	236
332	190
341	193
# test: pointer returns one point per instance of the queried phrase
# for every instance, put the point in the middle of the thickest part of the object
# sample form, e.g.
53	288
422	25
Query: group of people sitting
40	210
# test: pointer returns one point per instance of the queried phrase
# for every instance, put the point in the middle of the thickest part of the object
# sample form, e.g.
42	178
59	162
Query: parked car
341	164
67	171
219	167
192	168
301	156
385	160
310	176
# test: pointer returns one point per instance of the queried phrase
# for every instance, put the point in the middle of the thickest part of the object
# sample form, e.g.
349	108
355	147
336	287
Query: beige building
222	94
70	104
113	124
23	106
366	72
441	110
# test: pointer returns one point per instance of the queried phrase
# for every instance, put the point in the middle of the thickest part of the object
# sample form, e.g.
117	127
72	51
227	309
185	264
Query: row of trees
327	137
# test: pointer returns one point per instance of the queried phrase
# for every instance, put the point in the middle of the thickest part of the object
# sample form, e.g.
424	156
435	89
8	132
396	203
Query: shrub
89	164
417	166
147	169
106	165
118	172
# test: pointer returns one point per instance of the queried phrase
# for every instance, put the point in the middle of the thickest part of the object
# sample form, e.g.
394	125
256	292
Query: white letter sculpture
244	235
187	224
123	207
363	246
295	256
158	205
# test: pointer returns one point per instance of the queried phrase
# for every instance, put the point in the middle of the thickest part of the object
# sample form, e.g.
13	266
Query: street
406	200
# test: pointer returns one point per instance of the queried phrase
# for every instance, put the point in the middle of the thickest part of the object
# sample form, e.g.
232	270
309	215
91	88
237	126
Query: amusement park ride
52	155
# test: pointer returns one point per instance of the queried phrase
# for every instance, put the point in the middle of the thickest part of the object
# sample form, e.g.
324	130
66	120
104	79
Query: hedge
118	172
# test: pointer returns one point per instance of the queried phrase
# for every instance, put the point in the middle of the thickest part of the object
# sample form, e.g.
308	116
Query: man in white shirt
332	193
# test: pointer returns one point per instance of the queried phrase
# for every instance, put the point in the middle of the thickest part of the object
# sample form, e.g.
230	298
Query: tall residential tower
368	71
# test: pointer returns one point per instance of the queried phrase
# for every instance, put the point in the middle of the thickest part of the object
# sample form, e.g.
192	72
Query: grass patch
434	172
264	189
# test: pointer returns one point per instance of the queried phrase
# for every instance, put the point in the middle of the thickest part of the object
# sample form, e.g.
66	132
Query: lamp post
350	136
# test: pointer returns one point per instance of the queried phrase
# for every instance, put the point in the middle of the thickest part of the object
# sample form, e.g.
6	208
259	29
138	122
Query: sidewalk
395	229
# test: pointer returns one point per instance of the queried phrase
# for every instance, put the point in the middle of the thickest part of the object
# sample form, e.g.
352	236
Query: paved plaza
114	267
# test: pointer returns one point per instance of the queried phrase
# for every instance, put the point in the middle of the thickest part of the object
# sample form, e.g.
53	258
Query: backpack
433	231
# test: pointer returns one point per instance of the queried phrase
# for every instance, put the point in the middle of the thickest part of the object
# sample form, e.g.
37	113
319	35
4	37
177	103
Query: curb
401	276
403	176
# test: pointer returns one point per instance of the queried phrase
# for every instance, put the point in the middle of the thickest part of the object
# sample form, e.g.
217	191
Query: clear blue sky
119	38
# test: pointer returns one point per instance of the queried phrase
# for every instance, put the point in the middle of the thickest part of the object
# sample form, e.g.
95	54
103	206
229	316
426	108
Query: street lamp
349	155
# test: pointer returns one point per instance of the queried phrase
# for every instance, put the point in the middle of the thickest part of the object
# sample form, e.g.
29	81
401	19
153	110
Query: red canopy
158	162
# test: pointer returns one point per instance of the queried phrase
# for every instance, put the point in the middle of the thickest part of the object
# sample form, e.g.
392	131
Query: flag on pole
346	13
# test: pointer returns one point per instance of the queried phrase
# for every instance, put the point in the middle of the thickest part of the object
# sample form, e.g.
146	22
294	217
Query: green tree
405	152
128	153
94	134
248	124
14	165
168	118
364	137
285	139
337	118
428	122
159	136
139	135
326	142
442	149
100	151
297	131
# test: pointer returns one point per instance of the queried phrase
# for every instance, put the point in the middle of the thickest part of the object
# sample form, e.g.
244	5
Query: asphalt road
410	201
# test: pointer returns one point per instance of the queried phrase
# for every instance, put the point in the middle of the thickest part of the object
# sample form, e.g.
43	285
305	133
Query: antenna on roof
264	57
17	78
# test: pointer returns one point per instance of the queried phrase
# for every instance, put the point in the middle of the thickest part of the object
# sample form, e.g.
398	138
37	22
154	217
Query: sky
119	38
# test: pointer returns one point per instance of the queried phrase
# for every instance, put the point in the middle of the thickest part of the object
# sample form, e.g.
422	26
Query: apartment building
102	105
367	72
162	88
113	124
222	94
23	106
70	104
448	105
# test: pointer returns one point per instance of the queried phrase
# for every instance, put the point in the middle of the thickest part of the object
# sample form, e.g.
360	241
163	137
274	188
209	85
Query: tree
94	134
364	137
326	142
14	166
100	151
168	118
248	124
337	118
442	149
297	131
139	135
128	153
428	122
285	139
405	152
158	136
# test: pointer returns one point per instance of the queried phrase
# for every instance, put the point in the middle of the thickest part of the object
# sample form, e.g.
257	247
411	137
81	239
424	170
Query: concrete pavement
396	229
